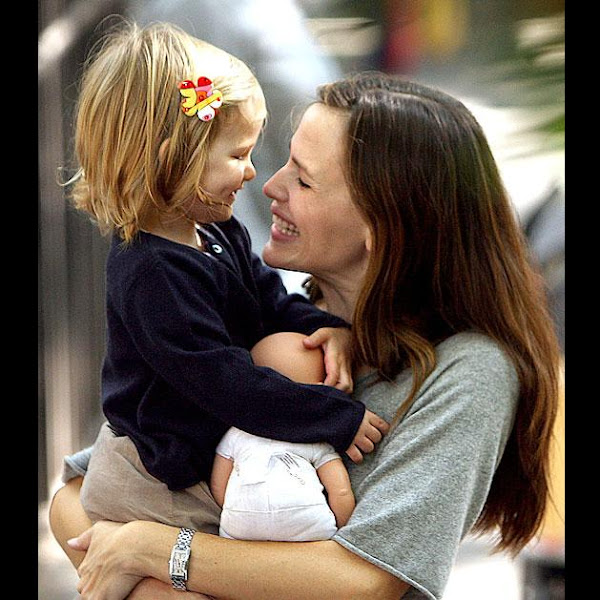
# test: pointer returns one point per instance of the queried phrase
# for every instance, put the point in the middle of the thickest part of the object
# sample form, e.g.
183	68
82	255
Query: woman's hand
335	343
106	571
371	431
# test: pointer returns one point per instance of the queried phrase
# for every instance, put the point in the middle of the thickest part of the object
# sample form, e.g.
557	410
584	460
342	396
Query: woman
392	200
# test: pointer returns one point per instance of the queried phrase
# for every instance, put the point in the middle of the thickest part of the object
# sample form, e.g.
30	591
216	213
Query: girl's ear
369	240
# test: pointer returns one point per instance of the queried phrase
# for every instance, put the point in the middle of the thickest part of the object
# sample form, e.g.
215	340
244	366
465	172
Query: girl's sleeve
179	331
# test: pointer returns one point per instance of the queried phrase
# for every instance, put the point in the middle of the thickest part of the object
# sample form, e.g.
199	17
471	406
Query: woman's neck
338	299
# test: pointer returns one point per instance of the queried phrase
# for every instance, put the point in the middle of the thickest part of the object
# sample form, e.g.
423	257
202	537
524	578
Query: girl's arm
231	569
300	359
335	480
187	360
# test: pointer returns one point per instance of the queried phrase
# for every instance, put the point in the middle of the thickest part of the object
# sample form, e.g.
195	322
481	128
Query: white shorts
287	504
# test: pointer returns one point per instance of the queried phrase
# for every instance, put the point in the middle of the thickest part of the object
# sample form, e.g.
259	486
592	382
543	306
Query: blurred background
505	59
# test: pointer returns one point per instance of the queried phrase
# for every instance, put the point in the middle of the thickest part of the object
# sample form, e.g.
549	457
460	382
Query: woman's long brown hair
449	255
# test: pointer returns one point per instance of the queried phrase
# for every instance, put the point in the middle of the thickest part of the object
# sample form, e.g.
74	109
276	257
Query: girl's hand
371	431
335	343
105	573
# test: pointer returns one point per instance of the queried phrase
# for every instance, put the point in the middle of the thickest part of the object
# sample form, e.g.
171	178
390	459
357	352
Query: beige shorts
117	487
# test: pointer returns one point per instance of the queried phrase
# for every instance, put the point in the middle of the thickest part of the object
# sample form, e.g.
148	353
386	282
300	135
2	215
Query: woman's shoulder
474	385
470	344
461	352
471	352
469	365
475	369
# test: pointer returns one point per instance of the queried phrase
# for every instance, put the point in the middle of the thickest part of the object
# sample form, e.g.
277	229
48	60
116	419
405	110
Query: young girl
165	130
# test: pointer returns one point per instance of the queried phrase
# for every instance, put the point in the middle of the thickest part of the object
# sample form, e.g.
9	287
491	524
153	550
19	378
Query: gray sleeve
431	476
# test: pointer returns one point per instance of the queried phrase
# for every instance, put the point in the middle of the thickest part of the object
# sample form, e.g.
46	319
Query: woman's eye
302	184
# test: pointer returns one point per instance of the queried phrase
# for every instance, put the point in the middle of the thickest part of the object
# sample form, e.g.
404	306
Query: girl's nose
249	171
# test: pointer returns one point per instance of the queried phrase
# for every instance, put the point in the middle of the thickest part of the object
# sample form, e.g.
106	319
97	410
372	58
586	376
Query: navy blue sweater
178	372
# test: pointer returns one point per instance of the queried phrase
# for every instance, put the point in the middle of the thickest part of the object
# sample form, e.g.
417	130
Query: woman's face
316	227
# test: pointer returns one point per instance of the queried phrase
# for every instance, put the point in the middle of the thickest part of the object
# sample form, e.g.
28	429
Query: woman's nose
274	188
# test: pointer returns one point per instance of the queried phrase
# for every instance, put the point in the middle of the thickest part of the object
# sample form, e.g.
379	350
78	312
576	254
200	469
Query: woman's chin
277	254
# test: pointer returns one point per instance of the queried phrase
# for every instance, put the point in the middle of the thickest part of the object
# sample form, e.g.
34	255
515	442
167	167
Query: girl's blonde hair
135	148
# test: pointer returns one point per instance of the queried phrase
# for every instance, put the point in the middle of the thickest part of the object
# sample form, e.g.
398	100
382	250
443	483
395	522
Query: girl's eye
302	184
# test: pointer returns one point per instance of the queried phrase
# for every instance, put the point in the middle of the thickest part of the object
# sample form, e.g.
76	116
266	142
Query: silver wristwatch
180	557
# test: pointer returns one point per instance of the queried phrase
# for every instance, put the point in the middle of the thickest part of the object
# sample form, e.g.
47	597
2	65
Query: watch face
179	560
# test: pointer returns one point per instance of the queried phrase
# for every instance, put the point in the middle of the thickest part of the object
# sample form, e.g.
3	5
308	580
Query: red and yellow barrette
200	99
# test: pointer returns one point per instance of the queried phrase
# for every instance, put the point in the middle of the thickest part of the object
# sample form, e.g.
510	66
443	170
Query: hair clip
200	99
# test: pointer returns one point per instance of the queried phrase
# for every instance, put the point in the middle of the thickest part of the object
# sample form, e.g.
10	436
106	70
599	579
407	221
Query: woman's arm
152	589
68	520
231	569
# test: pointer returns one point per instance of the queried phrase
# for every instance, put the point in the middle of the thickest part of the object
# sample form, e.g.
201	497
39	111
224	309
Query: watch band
180	556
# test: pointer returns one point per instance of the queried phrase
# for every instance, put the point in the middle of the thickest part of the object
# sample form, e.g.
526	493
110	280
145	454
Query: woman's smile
283	227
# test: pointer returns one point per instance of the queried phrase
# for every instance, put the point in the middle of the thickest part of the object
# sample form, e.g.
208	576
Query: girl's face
229	163
316	226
